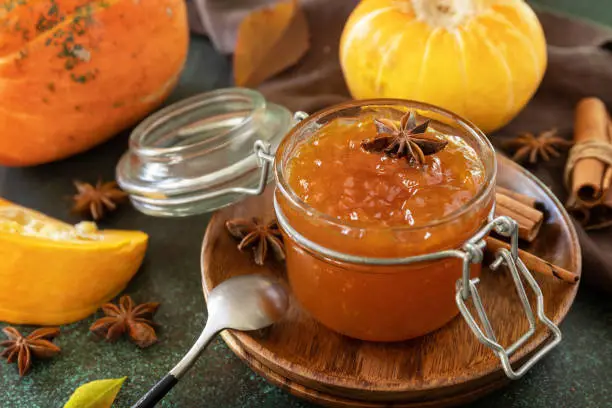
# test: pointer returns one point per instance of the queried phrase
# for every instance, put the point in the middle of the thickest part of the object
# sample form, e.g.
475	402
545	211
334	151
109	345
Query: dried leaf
96	394
269	41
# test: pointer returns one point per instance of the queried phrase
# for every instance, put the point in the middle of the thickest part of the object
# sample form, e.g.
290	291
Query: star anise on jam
21	349
124	317
527	146
409	140
253	233
97	199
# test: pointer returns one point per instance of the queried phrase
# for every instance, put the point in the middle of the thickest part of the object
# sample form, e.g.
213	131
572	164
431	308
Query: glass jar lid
183	157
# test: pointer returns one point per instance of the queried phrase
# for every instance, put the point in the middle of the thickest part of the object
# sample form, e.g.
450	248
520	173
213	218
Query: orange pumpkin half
75	72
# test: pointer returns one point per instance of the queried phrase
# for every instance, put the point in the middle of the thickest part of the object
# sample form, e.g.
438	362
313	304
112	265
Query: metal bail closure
266	160
466	289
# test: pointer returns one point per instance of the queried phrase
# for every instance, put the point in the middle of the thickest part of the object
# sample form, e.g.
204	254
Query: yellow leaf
96	394
269	40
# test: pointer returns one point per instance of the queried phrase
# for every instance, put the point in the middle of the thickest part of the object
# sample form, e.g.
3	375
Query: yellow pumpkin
73	73
482	59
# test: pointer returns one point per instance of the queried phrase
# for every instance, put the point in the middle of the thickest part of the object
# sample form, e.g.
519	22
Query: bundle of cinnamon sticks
529	214
588	173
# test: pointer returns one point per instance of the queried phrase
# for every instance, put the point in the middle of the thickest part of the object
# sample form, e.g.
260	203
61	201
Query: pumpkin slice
54	273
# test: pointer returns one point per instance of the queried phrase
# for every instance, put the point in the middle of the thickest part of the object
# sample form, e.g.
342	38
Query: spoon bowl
248	302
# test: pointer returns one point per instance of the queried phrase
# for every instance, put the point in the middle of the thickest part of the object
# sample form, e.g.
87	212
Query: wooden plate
334	401
446	365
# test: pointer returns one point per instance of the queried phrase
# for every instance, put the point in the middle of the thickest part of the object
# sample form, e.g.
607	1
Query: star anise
95	200
408	140
21	349
125	317
528	146
255	234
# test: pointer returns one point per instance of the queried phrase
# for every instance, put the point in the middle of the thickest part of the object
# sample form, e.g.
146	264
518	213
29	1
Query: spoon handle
159	390
156	393
209	332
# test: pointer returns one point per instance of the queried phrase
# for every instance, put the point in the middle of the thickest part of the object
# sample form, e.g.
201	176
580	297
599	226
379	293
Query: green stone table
574	375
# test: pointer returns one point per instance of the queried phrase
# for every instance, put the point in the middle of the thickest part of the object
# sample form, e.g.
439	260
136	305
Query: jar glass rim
489	162
140	138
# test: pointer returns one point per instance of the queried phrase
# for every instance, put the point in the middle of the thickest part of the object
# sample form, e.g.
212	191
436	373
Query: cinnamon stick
525	199
528	218
534	263
592	218
600	216
607	178
591	124
580	213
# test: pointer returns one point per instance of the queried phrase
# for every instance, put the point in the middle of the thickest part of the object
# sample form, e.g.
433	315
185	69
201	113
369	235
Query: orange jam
333	174
369	205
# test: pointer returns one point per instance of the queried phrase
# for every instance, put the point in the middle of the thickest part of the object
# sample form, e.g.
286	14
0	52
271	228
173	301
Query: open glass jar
375	283
359	297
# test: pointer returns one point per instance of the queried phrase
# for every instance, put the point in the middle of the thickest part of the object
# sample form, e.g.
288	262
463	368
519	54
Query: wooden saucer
444	368
329	400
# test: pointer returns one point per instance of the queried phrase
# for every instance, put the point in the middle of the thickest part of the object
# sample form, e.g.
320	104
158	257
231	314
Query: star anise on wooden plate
21	348
125	317
527	146
409	140
97	199
253	233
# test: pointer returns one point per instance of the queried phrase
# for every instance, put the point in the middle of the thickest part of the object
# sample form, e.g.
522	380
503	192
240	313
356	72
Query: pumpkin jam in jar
363	203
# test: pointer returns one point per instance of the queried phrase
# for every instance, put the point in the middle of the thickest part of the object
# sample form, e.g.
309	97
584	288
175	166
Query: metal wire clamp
466	289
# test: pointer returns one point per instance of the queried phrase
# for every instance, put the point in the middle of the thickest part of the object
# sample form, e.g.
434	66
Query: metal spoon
248	302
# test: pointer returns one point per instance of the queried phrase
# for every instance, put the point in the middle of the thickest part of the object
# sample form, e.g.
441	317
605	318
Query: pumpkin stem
446	14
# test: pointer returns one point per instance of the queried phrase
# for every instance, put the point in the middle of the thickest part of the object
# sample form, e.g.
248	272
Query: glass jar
374	283
365	300
197	155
